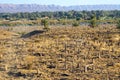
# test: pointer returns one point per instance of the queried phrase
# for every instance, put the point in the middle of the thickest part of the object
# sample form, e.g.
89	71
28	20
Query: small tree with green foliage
45	23
75	24
118	24
93	22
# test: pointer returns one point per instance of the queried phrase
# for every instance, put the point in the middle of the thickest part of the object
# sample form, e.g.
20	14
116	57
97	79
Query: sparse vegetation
62	53
30	51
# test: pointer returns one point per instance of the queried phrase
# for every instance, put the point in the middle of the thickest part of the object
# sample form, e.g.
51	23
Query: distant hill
13	8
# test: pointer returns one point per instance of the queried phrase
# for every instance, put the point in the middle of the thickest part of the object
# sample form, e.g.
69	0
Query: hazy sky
62	2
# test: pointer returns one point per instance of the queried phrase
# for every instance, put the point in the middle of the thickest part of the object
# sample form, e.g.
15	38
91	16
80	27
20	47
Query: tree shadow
16	74
108	32
30	34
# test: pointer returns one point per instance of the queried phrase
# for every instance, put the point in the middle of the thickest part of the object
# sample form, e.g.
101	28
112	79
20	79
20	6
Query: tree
118	24
45	23
75	24
93	22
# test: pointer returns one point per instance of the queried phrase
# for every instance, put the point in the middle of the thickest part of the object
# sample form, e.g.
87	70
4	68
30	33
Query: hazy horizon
63	2
54	4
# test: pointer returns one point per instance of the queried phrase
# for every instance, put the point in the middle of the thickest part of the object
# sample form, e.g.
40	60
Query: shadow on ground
32	33
108	32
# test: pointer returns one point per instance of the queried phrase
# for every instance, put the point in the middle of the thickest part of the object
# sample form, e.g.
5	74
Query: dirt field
63	53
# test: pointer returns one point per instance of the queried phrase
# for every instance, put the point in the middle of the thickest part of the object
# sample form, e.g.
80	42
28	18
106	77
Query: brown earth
69	53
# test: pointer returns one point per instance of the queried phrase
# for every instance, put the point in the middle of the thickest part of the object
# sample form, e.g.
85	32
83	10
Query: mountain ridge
13	8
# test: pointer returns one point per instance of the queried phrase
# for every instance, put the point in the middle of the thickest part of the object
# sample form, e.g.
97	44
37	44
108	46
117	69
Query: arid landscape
62	53
59	40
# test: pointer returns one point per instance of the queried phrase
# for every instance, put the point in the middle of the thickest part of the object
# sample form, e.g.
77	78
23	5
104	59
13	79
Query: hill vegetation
58	18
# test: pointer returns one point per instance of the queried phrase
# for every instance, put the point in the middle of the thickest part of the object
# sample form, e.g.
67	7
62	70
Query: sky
61	2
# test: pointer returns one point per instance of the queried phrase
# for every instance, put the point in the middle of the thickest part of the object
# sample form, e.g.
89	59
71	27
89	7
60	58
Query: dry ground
67	53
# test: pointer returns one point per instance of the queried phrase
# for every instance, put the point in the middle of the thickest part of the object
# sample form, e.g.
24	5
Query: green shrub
45	23
118	24
75	24
77	19
93	22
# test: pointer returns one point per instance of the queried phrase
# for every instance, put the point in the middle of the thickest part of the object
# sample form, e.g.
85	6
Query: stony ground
67	53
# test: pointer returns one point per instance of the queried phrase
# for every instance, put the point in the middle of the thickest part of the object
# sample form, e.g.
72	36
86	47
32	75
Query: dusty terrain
67	53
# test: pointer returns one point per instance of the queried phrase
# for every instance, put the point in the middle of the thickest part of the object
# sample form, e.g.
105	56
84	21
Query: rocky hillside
34	7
